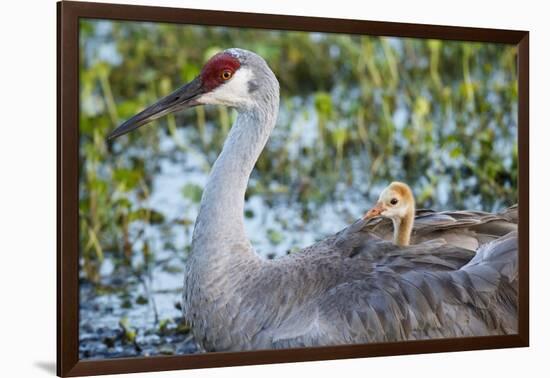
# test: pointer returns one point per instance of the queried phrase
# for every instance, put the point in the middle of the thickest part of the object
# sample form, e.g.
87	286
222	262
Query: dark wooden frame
68	14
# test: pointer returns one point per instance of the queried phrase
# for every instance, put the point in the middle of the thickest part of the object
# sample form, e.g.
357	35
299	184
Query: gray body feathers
354	287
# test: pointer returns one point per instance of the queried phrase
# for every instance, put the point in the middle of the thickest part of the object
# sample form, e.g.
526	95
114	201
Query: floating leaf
146	215
192	192
141	300
275	237
323	105
128	179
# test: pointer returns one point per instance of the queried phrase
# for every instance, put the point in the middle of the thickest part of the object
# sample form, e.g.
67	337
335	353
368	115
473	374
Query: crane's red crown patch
211	74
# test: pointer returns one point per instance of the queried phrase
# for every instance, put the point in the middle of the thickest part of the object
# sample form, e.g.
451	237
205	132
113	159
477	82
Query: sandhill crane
466	229
352	287
396	202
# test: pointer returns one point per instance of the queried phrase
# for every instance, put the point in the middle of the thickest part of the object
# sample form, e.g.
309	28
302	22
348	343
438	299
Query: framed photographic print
238	188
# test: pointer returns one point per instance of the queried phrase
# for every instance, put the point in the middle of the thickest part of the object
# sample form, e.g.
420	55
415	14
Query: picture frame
68	16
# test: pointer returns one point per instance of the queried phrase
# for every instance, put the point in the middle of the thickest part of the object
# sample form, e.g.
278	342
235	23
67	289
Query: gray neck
219	229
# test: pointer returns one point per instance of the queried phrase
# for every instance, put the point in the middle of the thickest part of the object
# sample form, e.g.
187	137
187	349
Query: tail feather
500	255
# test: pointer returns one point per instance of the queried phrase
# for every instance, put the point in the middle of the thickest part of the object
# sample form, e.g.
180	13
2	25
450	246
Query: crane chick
396	202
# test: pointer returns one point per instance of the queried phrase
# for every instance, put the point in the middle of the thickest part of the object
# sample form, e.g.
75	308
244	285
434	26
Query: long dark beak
182	98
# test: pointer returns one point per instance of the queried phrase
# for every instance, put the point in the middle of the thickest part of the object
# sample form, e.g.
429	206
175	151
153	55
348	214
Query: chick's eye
394	201
226	74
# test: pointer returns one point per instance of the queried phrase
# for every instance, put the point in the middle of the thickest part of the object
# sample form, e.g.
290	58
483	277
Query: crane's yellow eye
226	74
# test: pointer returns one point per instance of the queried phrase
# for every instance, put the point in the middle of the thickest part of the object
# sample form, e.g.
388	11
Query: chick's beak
378	209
